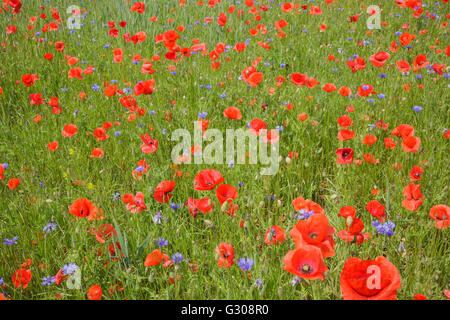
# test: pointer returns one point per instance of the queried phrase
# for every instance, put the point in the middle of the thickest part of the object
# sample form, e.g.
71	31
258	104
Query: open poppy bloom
232	113
305	262
154	258
403	131
344	155
251	76
416	173
257	127
379	59
411	144
376	209
105	231
69	130
225	255
413	197
163	191
300	203
204	205
207	179
440	213
315	231
83	208
353	231
274	235
150	145
134	203
94	292
347	211
225	192
375	279
21	278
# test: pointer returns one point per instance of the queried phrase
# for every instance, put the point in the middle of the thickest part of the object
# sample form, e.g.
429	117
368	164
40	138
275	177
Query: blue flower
50	227
162	242
245	264
177	257
10	242
417	108
48	280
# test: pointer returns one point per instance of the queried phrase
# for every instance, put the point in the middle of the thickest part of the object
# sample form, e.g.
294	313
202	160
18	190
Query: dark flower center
306	268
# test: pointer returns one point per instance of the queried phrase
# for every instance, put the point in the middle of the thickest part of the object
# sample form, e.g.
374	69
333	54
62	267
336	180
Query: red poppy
207	179
53	146
144	87
376	209
225	192
389	143
403	66
150	145
420	296
134	203
60	46
403	131
97	153
94	292
440	213
347	211
344	135
13	183
232	113
375	279
329	87
298	79
28	79
353	231
413	197
105	231
274	235
154	258
416	173
305	262
83	208
365	90
21	278
69	130
225	255
163	191
345	121
204	205
357	64
257	127
100	134
36	99
369	139
344	155
411	144
301	204
315	231
138	7
379	59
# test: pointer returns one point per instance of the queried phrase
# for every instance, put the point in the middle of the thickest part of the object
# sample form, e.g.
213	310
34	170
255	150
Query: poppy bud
288	160
349	221
279	203
209	224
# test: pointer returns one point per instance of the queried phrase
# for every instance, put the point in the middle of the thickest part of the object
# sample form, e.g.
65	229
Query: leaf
141	248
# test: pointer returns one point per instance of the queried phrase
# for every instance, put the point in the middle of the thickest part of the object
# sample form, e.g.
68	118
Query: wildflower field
99	201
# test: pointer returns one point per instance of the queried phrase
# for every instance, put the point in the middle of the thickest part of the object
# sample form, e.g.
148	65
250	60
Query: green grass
424	265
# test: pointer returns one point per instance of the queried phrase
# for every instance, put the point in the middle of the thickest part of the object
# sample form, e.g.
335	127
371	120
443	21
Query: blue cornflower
70	268
177	257
48	280
162	242
175	206
50	227
417	108
245	264
10	242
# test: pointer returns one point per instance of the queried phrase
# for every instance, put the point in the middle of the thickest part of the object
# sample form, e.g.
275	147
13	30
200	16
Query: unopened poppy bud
279	203
288	160
349	221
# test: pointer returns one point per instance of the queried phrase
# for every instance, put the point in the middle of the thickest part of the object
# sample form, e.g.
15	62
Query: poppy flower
97	153
94	292
207	179
298	79
105	231
257	127
300	203
315	231
144	87
406	38
60	46
379	59
413	197
389	143
2	171
274	235
357	64
13	183
75	73
36	99
416	173
138	7
225	192
150	145
232	113
271	137
305	262
345	121
411	144
134	203
375	279
365	90
69	130
369	140
403	131
420	296
154	258
163	191
225	255
420	62
353	231
344	135
403	66
329	87
344	155
28	79
82	208
100	134
204	205
21	278
52	146
347	211
376	209
440	213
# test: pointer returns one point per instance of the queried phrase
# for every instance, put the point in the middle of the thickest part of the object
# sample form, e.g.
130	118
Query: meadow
92	205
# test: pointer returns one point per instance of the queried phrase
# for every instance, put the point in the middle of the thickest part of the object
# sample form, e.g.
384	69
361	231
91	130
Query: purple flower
177	257
245	264
10	242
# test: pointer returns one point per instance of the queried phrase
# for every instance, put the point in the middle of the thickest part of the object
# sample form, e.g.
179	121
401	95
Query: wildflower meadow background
93	207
